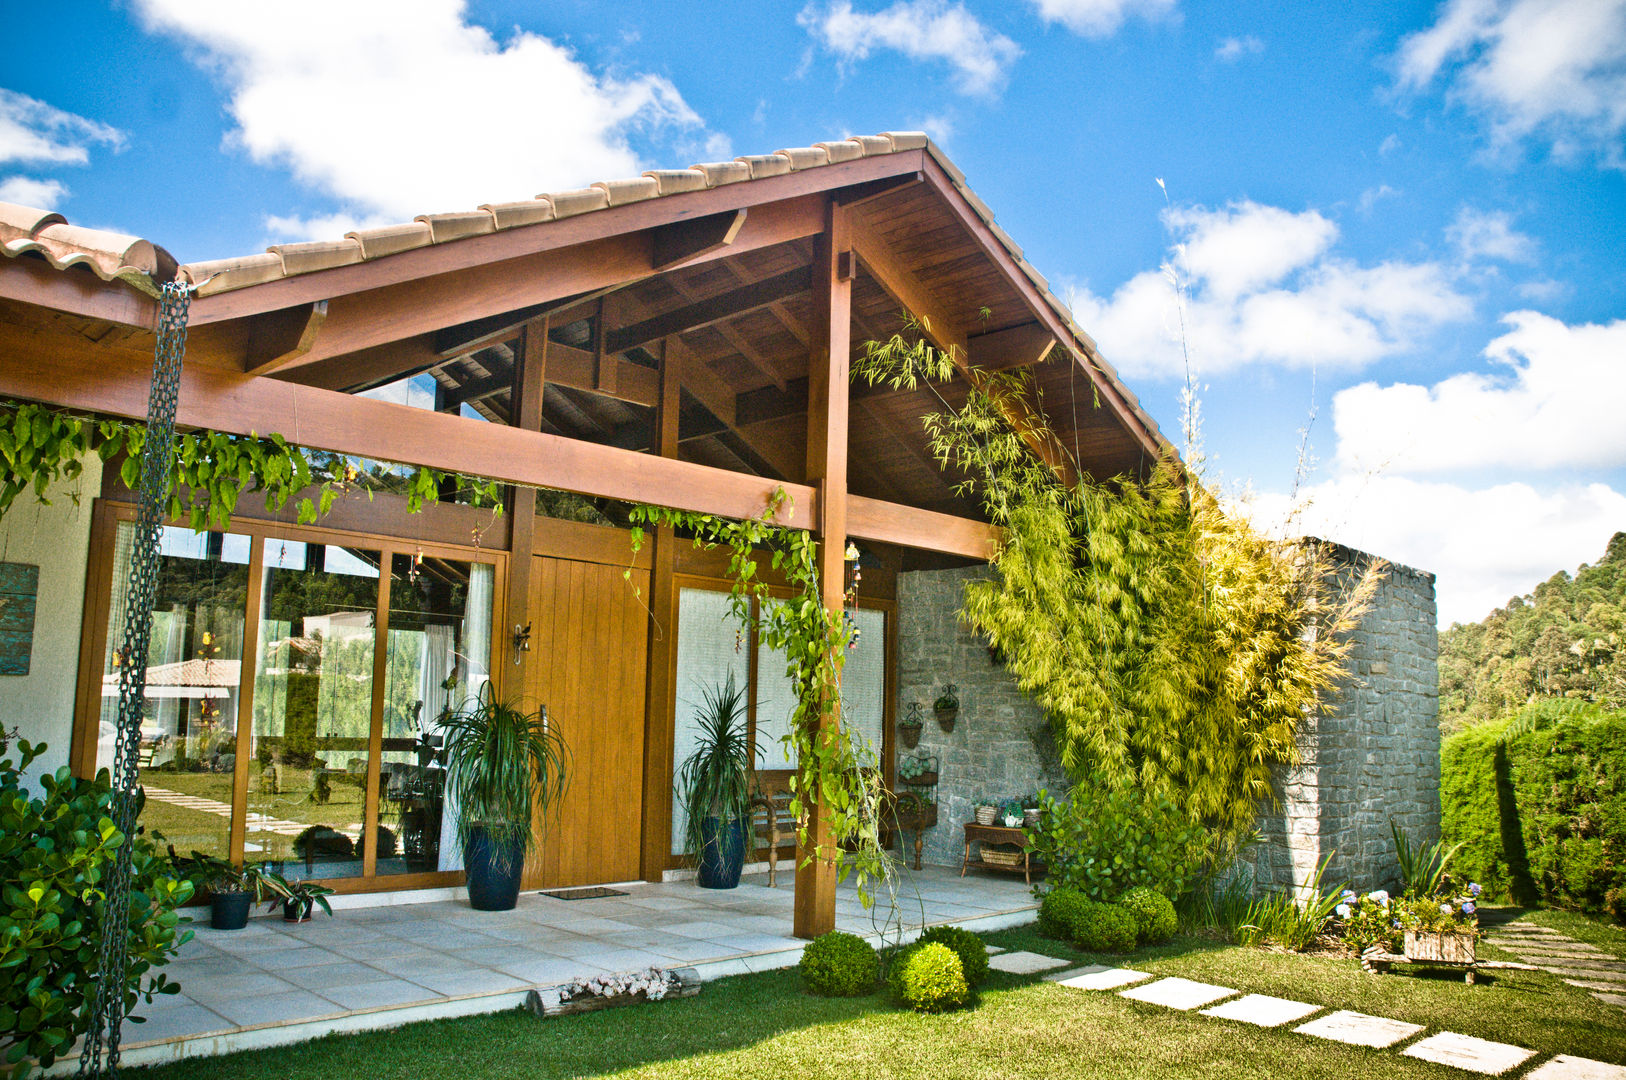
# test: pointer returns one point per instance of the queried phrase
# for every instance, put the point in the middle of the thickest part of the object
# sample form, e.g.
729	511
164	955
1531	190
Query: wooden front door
589	637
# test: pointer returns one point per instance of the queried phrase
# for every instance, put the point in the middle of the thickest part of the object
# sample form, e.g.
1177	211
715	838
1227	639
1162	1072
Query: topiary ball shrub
967	946
1059	909
839	965
930	979
1154	914
1105	928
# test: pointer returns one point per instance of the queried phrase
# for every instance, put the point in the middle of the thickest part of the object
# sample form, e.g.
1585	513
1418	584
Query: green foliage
839	965
1422	867
1155	920
503	765
1101	927
1289	919
967	946
832	769
56	850
930	979
1171	647
217	876
1058	910
1539	806
1371	922
1455	909
715	780
40	446
1565	640
1106	840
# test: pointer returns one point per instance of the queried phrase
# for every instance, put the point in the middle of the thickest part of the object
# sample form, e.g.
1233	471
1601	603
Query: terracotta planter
909	736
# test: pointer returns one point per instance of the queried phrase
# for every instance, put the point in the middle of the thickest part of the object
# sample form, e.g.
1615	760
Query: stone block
1469	1053
1358	1029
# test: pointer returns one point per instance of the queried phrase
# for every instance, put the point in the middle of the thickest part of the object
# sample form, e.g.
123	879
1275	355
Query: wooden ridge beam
684	241
758	294
280	338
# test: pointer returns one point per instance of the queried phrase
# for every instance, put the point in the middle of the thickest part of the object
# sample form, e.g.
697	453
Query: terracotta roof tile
223	275
636	189
719	173
762	165
390	239
317	255
512	215
805	157
907	140
677	181
446	227
845	150
874	144
580	201
25	230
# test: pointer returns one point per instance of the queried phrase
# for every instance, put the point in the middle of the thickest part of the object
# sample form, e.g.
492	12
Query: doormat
592	893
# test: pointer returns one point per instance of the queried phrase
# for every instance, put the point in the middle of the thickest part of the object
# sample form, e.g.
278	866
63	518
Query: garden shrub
1540	804
967	946
1154	915
1105	841
839	965
57	847
1105	928
930	978
1059	909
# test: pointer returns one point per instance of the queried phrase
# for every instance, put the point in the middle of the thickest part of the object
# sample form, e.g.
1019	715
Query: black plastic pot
722	853
493	871
229	910
297	909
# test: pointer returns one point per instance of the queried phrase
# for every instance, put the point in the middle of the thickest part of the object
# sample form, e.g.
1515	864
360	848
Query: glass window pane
439	651
776	704
313	703
863	680
709	649
194	664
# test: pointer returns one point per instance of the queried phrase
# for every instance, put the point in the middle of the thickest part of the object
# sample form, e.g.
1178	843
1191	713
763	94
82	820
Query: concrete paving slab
1569	972
1262	1010
1467	1052
1177	993
1617	1000
1570	1067
1025	963
995	950
1100	977
1358	1029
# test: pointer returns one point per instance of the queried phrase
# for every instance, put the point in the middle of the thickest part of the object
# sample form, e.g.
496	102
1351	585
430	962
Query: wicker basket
1001	856
987	815
1445	947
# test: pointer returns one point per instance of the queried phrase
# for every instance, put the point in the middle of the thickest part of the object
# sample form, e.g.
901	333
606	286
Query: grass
767	1026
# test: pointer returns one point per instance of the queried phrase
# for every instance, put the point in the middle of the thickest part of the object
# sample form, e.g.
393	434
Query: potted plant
505	766
1442	927
918	771
302	897
909	727
947	707
1030	810
714	784
233	889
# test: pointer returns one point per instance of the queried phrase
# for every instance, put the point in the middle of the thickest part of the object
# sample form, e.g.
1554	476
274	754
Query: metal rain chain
100	1056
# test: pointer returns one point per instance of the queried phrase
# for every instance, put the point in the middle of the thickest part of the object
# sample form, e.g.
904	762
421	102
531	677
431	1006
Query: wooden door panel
589	640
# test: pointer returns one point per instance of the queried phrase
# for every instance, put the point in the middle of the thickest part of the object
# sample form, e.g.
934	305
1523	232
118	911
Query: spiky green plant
505	767
1421	865
715	780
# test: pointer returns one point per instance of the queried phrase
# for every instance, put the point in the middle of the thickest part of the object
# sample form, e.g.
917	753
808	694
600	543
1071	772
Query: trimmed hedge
839	965
1059	910
1155	919
930	978
971	950
1107	928
1539	804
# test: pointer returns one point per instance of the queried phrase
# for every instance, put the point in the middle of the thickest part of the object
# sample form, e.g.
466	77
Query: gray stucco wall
1374	755
55	538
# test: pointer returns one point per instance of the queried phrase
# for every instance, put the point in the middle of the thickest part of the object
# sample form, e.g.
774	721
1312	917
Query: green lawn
766	1026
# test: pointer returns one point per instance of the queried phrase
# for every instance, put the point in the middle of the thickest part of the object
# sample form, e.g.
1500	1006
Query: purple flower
1474	888
1468	907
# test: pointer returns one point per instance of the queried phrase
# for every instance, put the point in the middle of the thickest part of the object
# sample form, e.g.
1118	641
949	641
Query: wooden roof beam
1018	346
714	309
685	241
280	338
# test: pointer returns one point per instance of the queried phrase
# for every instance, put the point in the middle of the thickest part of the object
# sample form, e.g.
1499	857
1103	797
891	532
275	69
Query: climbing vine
832	767
1174	649
41	446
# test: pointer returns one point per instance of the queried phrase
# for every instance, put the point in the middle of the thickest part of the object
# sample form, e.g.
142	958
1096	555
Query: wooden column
662	654
827	382
530	371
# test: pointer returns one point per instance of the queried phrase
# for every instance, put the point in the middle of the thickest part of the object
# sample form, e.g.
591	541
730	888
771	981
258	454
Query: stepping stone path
1024	963
1577	963
1467	1052
1358	1029
1177	993
1262	1010
1098	977
1568	1067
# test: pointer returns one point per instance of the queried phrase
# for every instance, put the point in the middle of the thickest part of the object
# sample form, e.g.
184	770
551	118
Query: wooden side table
997	834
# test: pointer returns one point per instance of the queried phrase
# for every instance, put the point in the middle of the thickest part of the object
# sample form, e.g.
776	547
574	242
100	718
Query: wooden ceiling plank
711	310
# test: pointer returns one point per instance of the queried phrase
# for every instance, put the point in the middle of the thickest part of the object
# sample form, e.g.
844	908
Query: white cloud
293	228
1555	403
1102	18
1390	144
31	130
1486	545
401	107
1480	234
26	191
1372	196
1233	49
1556	68
928	30
1265	286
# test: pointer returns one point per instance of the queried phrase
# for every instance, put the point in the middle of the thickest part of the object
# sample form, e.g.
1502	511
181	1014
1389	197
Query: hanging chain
100	1056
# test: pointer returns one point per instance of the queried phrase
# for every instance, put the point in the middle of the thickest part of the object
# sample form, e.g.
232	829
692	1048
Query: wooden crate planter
1440	946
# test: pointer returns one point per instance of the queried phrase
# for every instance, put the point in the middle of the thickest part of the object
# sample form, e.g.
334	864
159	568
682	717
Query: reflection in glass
194	665
439	647
313	705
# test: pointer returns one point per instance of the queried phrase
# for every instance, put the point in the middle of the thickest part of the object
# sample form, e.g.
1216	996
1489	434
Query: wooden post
662	652
827	379
530	371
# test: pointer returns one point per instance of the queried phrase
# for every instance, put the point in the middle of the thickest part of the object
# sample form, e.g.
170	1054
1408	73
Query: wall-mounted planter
947	707
946	718
909	735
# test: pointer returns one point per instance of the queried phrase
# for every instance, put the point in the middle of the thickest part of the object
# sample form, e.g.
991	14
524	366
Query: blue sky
1410	218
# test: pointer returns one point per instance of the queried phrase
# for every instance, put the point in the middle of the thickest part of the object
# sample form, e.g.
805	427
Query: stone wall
1000	746
1374	756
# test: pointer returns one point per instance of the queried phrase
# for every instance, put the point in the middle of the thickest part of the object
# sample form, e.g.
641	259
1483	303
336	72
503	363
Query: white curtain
707	653
474	672
863	680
